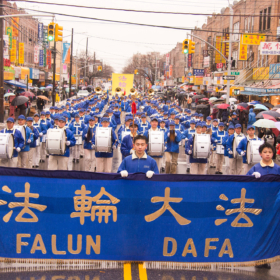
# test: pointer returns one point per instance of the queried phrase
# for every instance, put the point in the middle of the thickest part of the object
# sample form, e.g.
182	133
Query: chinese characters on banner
167	59
261	73
270	48
40	32
218	47
15	21
226	45
124	81
242	51
21	53
49	59
36	54
41	58
252	39
198	72
6	48
170	70
189	60
14	51
9	32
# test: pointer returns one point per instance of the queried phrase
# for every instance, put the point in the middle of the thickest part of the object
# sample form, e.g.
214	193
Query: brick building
177	60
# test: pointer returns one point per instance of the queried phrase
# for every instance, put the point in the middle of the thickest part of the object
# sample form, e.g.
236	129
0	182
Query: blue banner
41	58
40	32
66	49
177	218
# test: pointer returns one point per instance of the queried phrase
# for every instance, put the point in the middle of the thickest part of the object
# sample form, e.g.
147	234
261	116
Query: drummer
242	147
154	127
104	160
235	164
127	142
23	155
18	144
35	132
45	125
124	127
188	135
226	151
60	162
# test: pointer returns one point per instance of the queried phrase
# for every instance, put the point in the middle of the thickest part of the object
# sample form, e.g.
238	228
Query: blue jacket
77	128
42	126
264	170
229	142
18	139
138	165
172	147
87	145
252	117
126	146
35	132
117	117
144	127
219	135
29	135
242	146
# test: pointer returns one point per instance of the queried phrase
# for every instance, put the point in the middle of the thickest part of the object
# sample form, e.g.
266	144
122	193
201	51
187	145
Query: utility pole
86	63
54	71
1	65
71	58
229	50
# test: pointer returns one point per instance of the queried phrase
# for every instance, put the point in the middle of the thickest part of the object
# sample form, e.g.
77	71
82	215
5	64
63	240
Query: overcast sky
108	40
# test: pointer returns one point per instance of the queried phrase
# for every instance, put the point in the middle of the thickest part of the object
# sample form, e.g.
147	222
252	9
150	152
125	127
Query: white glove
257	174
93	147
242	153
150	174
124	173
175	134
114	147
131	151
216	141
68	143
190	152
230	152
18	149
168	134
41	133
86	136
29	141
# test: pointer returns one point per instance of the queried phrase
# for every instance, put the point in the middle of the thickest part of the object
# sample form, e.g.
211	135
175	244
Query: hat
162	121
77	116
195	114
55	108
215	120
200	115
165	113
203	124
237	125
62	119
198	124
250	126
192	121
51	108
131	124
177	118
154	119
208	118
189	111
67	103
10	120
29	119
36	115
65	115
104	119
171	123
56	116
231	127
221	124
143	116
172	113
91	118
48	113
128	118
234	114
43	113
21	117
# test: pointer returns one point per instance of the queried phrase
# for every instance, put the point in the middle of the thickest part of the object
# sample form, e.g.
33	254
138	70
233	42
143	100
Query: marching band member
144	125
235	164
208	122
139	161
18	143
88	135
124	127
226	152
172	139
127	142
36	155
60	162
45	125
49	119
35	131
188	135
77	127
198	166
218	136
104	160
23	154
242	146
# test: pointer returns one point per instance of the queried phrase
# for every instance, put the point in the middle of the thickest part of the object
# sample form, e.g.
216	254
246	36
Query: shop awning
258	93
15	83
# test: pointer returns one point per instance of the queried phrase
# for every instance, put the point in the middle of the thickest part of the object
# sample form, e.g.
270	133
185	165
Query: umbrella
274	130
205	99
278	110
19	100
42	88
90	86
15	83
224	96
27	94
223	106
240	107
264	123
201	106
199	96
213	98
268	105
277	106
254	102
219	101
269	113
232	99
8	94
260	107
245	105
43	97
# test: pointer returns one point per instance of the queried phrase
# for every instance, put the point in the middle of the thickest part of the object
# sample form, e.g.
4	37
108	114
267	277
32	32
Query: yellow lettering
70	244
21	243
208	247
54	248
95	246
38	244
191	250
226	245
58	277
165	247
42	278
74	278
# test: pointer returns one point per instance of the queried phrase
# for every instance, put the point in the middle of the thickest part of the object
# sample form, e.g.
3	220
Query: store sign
40	32
41	58
261	73
270	48
189	60
9	32
218	47
14	51
206	61
198	72
252	39
243	53
167	59
6	46
49	59
36	54
7	62
15	21
170	71
219	65
274	71
21	53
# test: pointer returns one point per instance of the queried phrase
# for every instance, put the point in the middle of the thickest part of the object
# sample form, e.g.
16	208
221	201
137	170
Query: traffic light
51	31
136	72
99	68
58	33
191	47
185	46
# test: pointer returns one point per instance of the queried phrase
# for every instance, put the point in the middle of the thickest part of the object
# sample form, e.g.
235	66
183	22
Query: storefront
34	76
42	78
9	73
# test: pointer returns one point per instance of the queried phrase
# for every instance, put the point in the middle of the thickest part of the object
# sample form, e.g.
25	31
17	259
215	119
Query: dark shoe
73	160
188	170
47	156
221	173
77	160
162	169
266	266
37	166
33	166
81	156
217	172
42	160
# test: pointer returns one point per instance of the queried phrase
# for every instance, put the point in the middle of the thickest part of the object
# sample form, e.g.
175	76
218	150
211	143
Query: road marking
142	272
127	271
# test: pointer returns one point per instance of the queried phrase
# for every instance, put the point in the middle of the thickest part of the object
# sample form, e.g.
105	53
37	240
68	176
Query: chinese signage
274	71
206	61
41	58
198	72
170	70
252	39
242	51
40	32
189	60
15	22
6	46
167	59
99	216
198	80
261	73
270	48
219	65
123	81
218	47
49	59
14	51
9	32
21	53
36	54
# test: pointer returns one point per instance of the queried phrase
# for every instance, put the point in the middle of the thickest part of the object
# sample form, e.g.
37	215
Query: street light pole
1	65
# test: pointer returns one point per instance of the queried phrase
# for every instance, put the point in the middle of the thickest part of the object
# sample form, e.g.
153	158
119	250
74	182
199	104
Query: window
264	19
246	28
260	25
236	31
235	57
268	17
252	24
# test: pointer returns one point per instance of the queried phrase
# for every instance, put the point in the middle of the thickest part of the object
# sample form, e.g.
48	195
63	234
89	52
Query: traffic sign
235	73
230	78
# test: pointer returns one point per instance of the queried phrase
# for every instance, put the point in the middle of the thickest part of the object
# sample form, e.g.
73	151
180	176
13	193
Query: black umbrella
19	100
268	105
277	106
243	104
270	113
201	106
